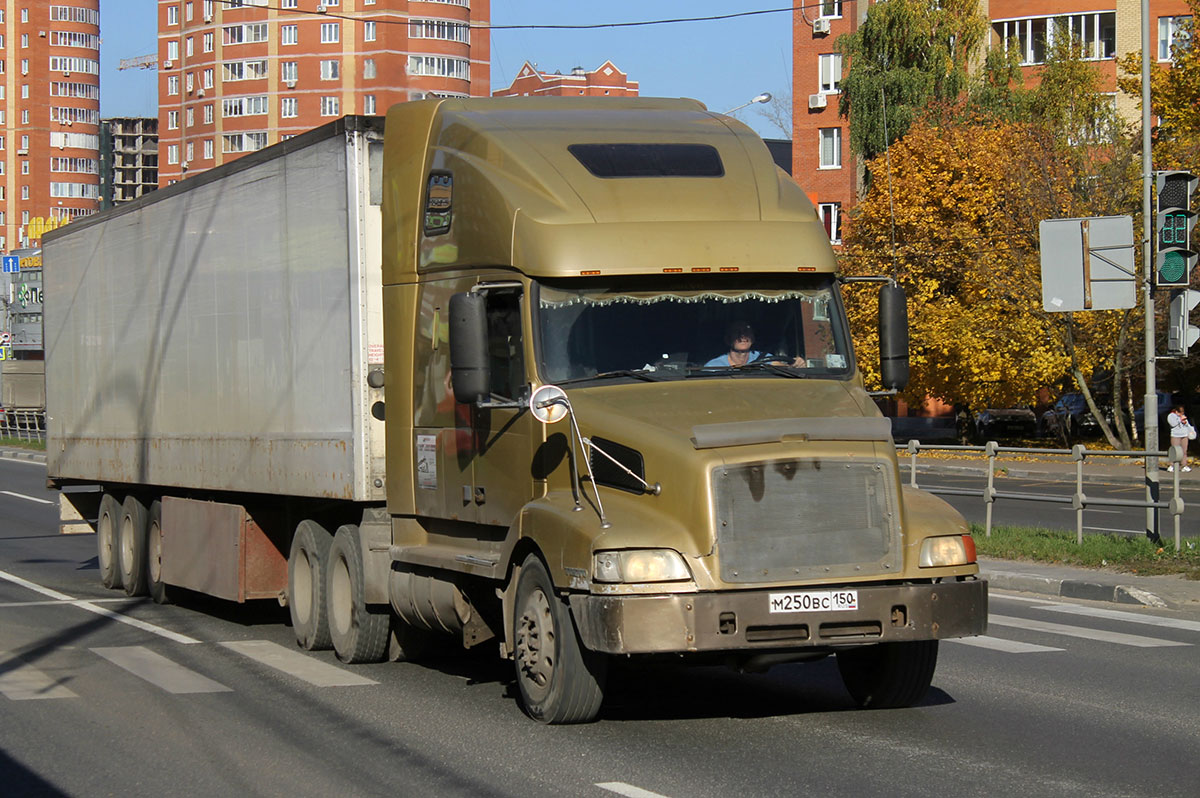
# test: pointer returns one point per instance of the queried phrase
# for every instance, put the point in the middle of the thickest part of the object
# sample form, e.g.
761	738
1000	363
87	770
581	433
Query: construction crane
141	62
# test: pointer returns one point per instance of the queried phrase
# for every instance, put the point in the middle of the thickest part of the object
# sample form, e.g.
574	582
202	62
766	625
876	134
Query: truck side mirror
469	373
893	337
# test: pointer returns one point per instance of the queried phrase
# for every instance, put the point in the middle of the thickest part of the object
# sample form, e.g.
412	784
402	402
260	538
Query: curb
20	454
1073	588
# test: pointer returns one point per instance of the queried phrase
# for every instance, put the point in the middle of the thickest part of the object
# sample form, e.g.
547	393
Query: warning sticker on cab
814	601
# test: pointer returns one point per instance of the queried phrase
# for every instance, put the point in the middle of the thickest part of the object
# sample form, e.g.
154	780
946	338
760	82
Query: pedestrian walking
1181	432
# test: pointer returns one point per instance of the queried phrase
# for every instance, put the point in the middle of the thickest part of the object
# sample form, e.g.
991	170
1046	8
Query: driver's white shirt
723	360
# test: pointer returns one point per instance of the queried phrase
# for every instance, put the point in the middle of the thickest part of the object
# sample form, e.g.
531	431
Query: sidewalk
1164	592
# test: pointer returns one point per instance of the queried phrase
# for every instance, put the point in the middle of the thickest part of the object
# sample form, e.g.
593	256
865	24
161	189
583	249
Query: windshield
650	328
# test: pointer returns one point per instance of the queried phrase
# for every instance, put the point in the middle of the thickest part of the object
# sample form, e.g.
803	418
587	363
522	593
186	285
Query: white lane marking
1078	631
628	790
90	607
159	671
296	664
23	496
20	681
10	604
1000	644
1119	615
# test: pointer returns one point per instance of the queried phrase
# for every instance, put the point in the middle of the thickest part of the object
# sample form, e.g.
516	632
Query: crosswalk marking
20	681
628	790
1120	615
296	664
160	671
1000	644
1077	631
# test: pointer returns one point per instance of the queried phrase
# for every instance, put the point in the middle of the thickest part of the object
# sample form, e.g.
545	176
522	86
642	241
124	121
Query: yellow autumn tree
953	214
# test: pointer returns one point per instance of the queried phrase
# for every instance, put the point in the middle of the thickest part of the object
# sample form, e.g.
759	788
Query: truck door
502	478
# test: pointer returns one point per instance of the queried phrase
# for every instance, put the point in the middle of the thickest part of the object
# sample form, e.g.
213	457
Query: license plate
814	601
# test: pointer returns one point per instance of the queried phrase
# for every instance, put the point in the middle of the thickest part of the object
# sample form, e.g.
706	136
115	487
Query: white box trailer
219	334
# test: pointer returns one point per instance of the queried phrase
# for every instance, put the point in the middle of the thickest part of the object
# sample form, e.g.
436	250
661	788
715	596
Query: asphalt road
1016	512
100	695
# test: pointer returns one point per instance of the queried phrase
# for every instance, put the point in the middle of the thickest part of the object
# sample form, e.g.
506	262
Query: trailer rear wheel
154	548
106	541
889	675
358	633
132	541
306	585
560	680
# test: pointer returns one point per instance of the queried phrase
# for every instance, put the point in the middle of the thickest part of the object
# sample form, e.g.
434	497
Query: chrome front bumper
741	620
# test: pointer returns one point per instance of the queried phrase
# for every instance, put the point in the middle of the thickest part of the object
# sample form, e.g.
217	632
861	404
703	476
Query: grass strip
19	443
1135	555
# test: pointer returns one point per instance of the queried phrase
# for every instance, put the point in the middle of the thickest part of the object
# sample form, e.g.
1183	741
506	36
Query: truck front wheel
357	633
560	681
306	585
106	541
889	675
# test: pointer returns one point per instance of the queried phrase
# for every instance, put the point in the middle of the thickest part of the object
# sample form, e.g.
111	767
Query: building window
331	32
439	29
24	167
190	81
368	68
1032	37
830	70
244	106
208	42
831	148
172	120
188	12
191	151
831	217
831	9
439	66
208	10
289	107
172	84
369	104
1169	35
330	69
208	149
368	31
191	117
189	48
288	71
173	51
173	153
330	106
25	116
172	15
289	34
208	78
243	142
208	114
288	4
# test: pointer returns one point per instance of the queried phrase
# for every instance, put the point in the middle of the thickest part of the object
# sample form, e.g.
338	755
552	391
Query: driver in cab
739	337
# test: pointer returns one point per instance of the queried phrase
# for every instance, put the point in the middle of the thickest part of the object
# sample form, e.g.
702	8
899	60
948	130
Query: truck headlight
949	550
639	565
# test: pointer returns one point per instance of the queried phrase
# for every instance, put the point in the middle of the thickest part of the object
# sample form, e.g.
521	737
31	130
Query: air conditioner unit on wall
291	84
168	64
820	26
817	101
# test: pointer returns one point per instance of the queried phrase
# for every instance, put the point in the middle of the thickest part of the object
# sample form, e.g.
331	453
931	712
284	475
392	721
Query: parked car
1008	422
1164	408
1070	415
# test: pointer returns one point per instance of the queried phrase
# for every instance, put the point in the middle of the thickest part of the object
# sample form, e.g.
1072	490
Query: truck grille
804	519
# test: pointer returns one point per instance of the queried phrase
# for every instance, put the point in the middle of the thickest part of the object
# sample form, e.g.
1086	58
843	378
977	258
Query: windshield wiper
724	371
637	374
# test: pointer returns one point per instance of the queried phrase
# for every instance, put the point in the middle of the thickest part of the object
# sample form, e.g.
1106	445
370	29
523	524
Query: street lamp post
765	97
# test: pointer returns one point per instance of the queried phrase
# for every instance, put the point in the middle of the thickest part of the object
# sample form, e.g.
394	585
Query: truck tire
306	585
133	542
154	548
358	633
107	521
560	680
889	675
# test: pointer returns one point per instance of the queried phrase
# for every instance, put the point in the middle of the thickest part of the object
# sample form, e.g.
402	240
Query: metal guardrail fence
24	425
1078	500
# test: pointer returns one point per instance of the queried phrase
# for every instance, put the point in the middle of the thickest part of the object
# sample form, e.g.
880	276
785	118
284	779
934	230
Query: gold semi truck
570	376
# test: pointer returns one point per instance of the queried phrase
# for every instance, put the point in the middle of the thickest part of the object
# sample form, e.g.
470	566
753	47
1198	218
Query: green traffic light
1172	267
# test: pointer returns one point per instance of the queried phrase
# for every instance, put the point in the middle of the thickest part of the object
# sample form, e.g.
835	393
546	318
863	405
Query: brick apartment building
821	158
603	81
49	114
238	75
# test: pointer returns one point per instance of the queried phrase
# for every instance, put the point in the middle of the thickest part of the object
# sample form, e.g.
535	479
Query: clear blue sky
721	63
